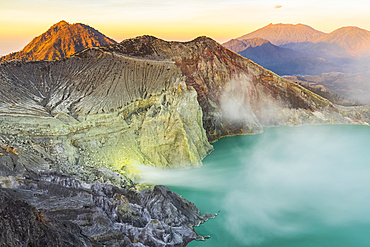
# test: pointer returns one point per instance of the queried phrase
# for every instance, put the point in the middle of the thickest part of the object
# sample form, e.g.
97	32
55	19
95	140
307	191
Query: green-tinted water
291	187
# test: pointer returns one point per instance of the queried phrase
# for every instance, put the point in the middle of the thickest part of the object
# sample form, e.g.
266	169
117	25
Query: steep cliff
138	101
237	96
72	128
102	110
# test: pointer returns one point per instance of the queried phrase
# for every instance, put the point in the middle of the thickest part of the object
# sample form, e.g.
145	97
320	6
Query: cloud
278	6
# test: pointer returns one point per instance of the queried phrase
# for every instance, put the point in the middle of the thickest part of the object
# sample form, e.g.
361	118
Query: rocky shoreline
52	209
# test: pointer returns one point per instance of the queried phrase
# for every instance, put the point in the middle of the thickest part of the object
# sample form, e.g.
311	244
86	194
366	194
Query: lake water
290	186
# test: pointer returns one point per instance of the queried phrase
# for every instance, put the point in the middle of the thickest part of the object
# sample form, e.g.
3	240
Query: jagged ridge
215	72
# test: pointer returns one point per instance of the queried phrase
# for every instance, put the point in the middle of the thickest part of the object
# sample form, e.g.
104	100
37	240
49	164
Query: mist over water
290	186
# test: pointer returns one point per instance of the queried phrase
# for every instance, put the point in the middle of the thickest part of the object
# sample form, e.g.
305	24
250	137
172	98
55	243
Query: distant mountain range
299	49
60	41
354	40
280	34
282	59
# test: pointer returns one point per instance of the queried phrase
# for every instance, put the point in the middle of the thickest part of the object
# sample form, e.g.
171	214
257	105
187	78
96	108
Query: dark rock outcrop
24	225
52	209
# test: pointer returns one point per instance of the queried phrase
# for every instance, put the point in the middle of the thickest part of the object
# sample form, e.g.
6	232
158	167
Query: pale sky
22	20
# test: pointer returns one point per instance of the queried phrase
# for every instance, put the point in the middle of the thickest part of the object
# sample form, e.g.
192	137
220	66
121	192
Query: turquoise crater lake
290	186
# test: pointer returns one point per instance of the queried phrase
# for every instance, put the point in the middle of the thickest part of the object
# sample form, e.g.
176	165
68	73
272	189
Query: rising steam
285	183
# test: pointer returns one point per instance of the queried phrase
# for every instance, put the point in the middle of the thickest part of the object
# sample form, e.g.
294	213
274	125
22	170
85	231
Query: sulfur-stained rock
136	102
237	96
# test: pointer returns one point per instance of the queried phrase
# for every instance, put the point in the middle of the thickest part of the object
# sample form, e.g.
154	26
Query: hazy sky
22	20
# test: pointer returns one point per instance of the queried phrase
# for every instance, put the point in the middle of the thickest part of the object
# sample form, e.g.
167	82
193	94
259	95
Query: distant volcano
60	41
280	34
288	49
354	40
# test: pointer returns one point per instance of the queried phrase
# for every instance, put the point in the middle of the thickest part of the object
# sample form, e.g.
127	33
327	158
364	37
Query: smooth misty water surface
290	186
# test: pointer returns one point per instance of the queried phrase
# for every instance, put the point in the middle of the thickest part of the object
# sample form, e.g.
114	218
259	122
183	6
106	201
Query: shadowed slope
263	52
237	45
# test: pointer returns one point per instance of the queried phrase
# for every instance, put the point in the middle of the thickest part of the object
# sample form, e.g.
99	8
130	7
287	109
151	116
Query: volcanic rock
60	41
72	131
51	209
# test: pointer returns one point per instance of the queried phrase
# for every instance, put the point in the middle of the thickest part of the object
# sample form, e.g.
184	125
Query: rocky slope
353	88
60	41
57	210
134	102
73	129
110	111
236	95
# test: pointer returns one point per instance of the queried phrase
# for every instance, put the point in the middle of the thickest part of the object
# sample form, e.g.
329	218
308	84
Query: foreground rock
58	210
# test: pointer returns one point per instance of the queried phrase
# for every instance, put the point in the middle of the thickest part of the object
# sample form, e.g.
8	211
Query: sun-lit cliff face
102	110
60	41
144	101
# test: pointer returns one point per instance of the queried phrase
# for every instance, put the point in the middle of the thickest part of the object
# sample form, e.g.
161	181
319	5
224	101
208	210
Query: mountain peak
58	26
355	40
351	29
59	41
280	33
61	23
